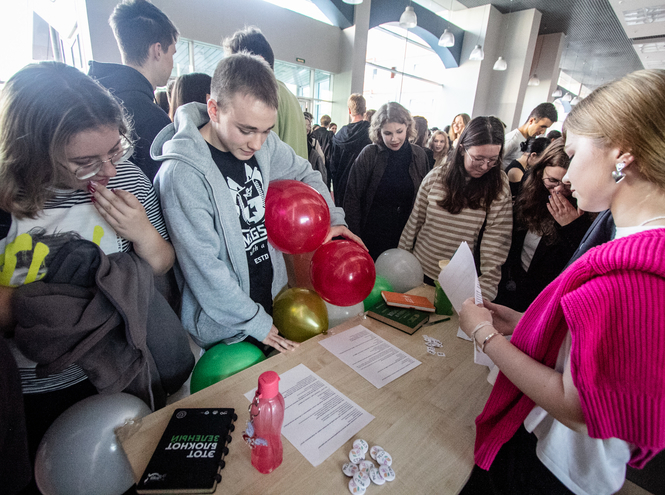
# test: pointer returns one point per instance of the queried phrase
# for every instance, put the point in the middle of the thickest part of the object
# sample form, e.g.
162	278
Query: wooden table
425	419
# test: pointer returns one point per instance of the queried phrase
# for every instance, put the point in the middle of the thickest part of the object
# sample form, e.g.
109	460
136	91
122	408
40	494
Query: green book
404	319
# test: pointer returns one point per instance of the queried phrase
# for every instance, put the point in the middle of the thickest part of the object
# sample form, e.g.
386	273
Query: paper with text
318	419
459	280
375	359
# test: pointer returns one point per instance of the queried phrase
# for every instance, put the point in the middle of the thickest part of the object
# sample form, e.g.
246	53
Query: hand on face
561	209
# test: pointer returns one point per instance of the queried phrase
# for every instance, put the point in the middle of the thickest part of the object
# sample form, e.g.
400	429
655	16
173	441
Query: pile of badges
363	472
432	345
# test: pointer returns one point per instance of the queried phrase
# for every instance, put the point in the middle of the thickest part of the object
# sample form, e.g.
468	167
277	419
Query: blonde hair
357	104
629	114
430	144
391	112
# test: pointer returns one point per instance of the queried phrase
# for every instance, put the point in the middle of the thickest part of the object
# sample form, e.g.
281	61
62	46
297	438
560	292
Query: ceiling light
447	39
567	97
408	18
477	53
533	81
353	2
500	64
557	93
645	15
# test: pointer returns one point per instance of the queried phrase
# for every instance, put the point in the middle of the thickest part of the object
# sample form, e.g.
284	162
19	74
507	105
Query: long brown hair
461	191
531	204
465	118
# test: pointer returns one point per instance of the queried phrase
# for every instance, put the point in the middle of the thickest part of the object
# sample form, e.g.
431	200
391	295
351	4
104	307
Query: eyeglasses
91	169
555	182
491	162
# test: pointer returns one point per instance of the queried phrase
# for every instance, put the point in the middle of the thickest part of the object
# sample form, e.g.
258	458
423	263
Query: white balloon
339	314
80	453
401	268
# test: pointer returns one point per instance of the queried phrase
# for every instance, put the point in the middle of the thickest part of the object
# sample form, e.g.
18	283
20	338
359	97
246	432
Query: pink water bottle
268	416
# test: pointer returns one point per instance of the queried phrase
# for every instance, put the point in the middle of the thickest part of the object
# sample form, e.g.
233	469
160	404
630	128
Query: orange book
400	300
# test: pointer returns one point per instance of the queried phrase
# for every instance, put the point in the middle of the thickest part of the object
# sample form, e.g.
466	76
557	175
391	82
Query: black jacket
346	146
135	92
365	176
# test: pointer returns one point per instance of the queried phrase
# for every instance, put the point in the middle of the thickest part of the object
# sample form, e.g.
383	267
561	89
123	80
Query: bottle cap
376	477
268	384
356	489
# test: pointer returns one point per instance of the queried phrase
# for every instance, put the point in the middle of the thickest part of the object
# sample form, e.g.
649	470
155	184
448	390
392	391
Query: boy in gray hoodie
218	162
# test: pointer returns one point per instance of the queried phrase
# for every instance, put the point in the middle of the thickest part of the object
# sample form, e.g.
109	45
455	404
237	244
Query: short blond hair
391	112
629	114
357	104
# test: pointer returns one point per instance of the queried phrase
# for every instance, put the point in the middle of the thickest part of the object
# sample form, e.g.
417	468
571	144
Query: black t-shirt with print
246	185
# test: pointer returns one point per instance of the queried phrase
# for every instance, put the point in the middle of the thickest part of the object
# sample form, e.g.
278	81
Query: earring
618	175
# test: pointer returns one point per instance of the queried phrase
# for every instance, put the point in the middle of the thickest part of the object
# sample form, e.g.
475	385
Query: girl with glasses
547	229
469	200
64	175
581	392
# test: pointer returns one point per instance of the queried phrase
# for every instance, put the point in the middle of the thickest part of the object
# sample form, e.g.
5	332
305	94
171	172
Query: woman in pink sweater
581	391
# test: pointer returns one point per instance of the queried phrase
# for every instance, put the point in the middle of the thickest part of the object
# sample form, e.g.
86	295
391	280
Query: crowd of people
125	225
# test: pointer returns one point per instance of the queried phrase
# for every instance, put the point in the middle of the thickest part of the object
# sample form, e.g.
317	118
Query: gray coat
203	224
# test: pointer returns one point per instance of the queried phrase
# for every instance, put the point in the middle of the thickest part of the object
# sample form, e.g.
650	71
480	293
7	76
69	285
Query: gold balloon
299	314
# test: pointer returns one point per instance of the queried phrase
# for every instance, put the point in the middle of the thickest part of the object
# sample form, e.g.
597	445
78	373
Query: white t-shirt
511	148
31	243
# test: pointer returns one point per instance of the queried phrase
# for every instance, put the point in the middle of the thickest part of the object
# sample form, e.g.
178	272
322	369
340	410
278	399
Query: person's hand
562	210
472	314
278	342
122	211
341	230
504	319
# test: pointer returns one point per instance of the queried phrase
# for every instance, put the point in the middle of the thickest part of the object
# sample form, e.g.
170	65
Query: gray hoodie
203	224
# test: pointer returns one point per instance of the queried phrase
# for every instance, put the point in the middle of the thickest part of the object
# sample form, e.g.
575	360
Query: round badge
375	450
387	473
350	469
384	458
365	466
356	455
362	479
376	477
361	444
355	489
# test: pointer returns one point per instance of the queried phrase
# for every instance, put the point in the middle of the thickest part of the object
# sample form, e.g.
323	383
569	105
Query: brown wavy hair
391	112
531	204
461	191
42	107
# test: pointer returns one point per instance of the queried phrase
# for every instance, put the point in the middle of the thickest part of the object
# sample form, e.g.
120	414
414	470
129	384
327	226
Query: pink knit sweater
613	302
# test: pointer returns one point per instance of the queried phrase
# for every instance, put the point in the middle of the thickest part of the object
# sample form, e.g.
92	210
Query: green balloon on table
222	361
299	314
375	296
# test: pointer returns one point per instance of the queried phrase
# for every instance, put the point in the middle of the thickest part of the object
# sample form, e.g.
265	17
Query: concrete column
353	53
546	65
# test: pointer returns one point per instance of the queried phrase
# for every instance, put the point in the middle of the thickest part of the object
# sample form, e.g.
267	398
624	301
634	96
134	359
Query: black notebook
190	454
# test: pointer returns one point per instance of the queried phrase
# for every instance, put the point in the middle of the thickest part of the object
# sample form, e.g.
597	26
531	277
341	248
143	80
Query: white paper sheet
375	359
459	280
318	419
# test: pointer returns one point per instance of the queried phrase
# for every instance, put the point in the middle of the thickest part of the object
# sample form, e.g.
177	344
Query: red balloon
342	273
297	217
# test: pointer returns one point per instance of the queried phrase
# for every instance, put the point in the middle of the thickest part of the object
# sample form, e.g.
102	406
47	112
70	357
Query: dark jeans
515	470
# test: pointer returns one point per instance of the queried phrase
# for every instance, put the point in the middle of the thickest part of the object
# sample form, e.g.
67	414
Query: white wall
291	35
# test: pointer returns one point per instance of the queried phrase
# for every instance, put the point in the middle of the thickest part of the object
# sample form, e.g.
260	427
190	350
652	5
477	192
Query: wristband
488	338
478	327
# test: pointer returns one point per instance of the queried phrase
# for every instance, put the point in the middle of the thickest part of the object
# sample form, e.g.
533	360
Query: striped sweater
432	234
611	300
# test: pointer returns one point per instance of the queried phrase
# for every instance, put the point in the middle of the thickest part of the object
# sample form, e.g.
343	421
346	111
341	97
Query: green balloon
222	361
375	296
